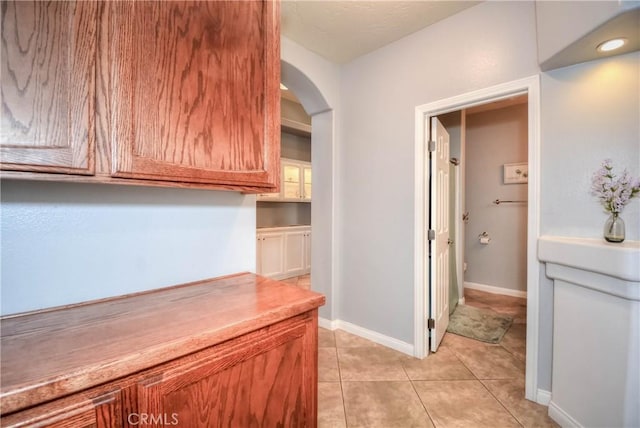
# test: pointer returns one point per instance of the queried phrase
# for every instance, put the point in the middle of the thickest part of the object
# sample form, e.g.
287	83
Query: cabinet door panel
264	381
291	181
104	411
48	86
196	85
294	252
272	254
306	180
307	252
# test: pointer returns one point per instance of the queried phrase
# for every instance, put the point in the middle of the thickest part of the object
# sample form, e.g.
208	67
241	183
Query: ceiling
341	31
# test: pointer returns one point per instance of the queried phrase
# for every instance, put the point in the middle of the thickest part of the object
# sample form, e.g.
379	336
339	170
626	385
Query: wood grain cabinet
48	86
258	380
238	351
186	92
90	409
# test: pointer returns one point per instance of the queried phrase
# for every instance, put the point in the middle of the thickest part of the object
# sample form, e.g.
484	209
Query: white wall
315	81
65	243
494	138
491	43
589	112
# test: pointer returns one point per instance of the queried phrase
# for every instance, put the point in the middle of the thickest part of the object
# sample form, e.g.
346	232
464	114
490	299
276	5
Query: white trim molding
531	87
561	417
374	336
544	397
328	324
495	290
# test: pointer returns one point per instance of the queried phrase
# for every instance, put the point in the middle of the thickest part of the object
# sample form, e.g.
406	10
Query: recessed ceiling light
284	88
611	45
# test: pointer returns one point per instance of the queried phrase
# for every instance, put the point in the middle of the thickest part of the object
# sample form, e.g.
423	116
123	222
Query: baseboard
561	417
495	290
543	397
374	336
328	324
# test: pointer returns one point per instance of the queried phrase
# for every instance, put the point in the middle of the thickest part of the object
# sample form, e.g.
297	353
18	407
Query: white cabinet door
258	254
283	252
294	252
306	182
271	253
291	181
307	251
295	183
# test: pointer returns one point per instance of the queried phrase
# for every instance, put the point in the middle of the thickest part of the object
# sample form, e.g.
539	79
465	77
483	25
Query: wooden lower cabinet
265	379
257	371
99	410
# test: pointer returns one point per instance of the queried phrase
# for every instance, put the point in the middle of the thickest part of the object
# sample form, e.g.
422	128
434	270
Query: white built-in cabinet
307	251
270	253
294	252
283	252
295	183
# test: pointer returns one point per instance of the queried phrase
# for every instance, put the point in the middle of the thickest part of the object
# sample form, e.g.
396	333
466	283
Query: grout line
501	403
418	395
482	381
465	366
344	407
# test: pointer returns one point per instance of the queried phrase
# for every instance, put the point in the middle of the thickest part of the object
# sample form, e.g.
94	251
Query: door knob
449	241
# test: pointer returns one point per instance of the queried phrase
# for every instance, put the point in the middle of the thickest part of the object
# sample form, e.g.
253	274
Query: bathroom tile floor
466	383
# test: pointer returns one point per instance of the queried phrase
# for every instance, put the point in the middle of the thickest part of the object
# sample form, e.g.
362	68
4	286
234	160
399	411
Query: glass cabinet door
306	180
291	181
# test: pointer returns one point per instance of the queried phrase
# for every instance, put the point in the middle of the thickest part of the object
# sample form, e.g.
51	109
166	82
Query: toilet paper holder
484	238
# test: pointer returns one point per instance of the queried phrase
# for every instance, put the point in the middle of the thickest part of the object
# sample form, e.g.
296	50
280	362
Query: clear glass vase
614	228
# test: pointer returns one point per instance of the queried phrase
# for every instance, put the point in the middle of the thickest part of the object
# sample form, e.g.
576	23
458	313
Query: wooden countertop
52	353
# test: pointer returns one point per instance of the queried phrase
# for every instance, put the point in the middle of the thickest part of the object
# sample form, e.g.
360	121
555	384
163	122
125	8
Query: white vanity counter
596	330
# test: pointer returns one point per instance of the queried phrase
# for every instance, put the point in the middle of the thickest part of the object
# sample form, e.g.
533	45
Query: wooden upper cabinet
48	86
192	91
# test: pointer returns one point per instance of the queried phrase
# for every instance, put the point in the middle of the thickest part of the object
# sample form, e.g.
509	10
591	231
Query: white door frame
531	87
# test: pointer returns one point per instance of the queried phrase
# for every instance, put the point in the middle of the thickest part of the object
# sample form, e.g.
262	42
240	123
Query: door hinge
431	323
431	234
432	146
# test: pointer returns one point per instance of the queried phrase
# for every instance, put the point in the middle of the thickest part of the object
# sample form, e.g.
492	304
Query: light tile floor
467	383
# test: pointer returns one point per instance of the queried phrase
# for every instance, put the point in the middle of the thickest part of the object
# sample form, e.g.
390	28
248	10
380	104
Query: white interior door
439	223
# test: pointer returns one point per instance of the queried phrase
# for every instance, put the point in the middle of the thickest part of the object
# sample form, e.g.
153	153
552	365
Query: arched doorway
323	206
